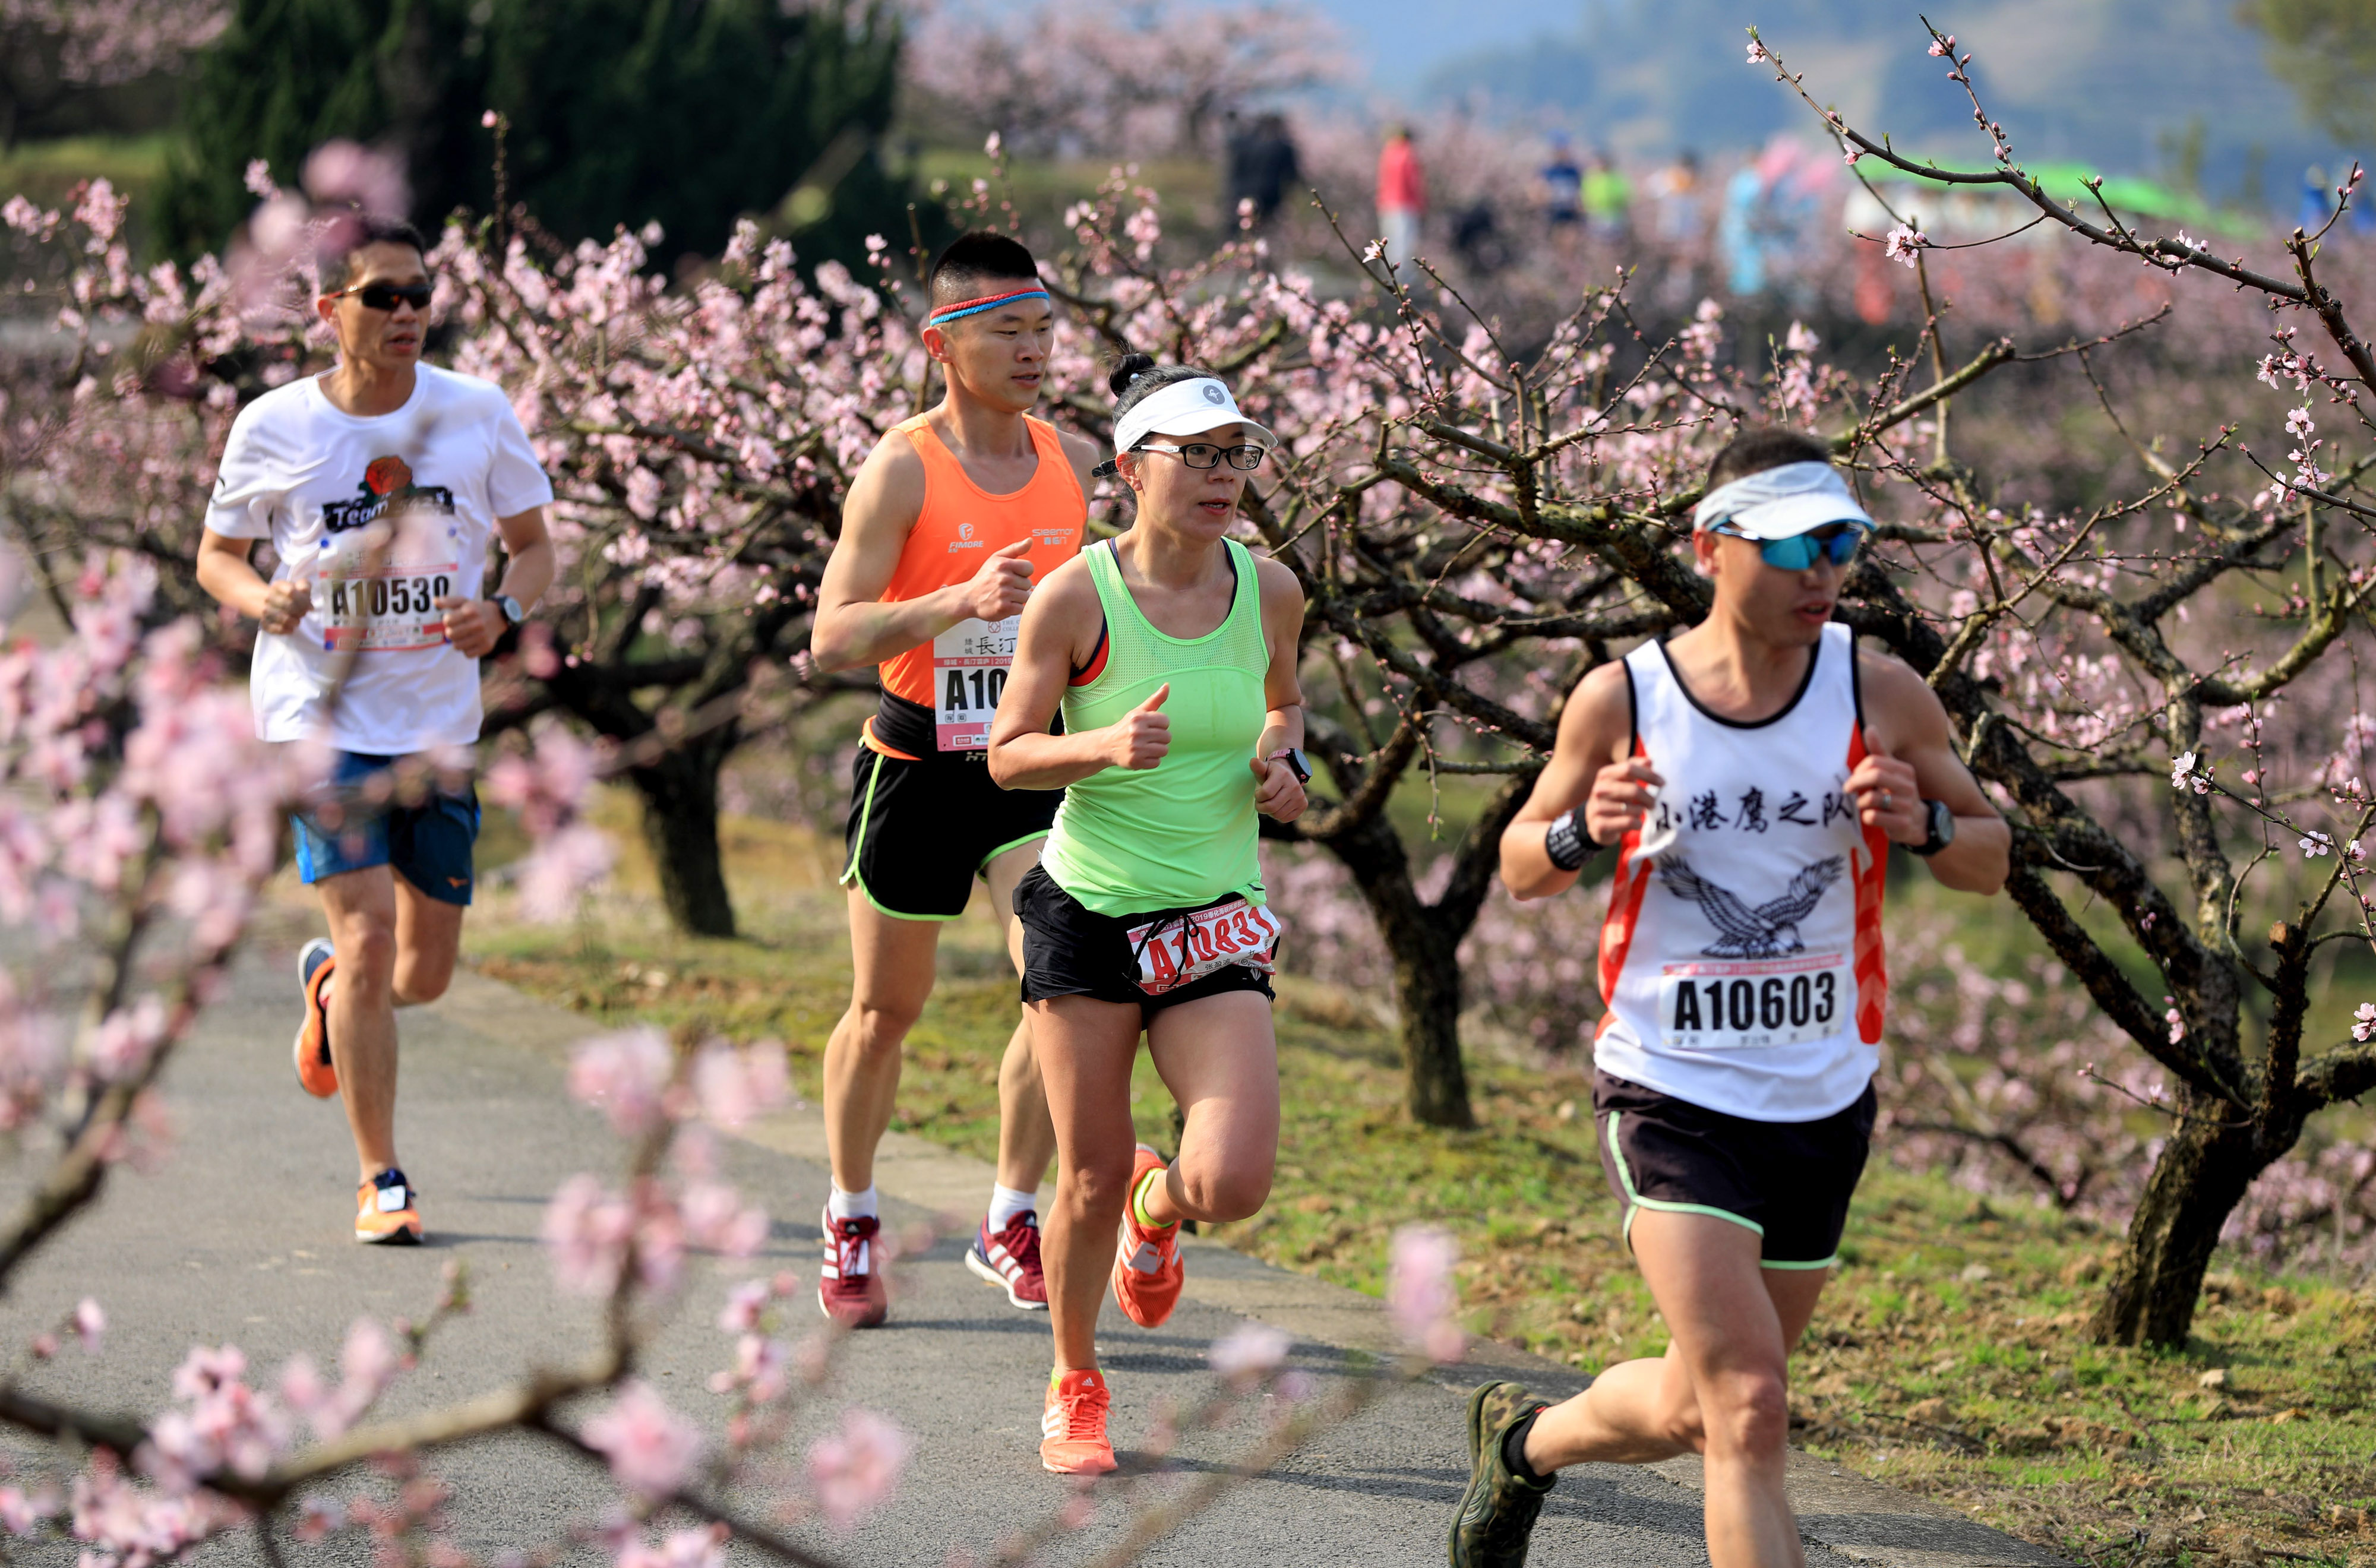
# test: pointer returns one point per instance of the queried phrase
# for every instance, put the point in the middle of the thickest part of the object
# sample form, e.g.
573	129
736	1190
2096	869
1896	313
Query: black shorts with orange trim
1789	1182
920	829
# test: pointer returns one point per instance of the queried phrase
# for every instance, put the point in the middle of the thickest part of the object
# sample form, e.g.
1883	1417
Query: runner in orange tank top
953	517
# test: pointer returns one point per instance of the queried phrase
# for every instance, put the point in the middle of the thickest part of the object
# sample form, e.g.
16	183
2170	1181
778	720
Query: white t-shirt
381	515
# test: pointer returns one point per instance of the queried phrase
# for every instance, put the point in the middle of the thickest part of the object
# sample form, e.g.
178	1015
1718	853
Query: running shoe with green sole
1497	1511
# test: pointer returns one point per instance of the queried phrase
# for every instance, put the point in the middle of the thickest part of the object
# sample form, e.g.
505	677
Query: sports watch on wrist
1942	829
514	612
1295	763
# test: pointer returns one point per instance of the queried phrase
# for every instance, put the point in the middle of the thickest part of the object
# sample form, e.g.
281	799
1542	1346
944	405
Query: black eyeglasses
1205	455
387	296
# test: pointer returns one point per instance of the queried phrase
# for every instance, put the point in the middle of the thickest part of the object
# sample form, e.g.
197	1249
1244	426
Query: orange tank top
938	696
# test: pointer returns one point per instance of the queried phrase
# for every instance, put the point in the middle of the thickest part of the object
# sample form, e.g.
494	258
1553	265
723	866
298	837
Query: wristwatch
513	610
1295	763
1942	829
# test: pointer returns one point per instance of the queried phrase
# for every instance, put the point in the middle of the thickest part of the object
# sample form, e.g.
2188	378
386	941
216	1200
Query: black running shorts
920	832
1789	1182
1069	949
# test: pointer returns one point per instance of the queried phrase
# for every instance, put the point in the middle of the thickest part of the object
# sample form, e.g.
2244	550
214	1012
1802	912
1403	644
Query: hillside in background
2125	84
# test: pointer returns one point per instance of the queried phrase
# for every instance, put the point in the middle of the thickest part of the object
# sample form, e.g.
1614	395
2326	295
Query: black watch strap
1936	836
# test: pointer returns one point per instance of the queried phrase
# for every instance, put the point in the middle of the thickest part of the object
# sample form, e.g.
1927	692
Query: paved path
240	1236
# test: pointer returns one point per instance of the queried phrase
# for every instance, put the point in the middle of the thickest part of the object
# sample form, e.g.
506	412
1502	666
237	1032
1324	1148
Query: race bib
384	610
969	665
1743	1003
1186	947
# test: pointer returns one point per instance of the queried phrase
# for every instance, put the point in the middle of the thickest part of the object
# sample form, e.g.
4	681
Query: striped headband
971	307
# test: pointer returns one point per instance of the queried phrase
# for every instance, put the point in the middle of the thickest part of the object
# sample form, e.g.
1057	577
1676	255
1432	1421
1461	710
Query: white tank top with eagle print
1740	959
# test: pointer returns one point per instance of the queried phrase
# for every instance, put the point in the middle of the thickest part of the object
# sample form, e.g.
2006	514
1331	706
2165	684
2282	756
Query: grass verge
1949	1355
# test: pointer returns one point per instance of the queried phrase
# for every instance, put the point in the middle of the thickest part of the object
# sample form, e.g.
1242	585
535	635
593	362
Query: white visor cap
1782	503
1184	407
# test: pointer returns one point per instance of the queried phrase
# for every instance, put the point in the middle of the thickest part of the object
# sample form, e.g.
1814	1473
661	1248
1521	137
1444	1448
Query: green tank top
1182	834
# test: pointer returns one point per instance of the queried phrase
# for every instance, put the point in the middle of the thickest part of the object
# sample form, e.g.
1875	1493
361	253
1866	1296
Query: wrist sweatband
1565	843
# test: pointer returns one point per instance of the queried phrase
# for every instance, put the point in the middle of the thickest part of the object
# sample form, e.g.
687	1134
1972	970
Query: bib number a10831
1185	947
969	664
1741	1004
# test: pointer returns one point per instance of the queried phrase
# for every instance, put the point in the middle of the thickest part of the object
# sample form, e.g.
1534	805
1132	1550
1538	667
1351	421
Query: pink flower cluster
593	1233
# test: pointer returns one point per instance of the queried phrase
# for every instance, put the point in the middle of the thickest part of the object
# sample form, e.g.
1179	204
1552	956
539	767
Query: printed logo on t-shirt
388	553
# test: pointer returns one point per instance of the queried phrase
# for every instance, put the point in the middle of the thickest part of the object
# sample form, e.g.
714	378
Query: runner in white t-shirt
379	484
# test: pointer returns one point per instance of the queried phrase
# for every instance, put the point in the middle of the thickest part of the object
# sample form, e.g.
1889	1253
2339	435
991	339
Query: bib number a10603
1180	948
387	610
969	664
1741	1004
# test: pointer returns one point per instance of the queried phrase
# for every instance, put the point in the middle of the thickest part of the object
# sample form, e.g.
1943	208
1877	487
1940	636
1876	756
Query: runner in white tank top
1751	772
1741	957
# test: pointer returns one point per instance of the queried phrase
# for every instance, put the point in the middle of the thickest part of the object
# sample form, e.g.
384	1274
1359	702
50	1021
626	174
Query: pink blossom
743	1305
90	1324
587	1231
1905	244
736	1086
624	1074
1757	56
1421	1297
652	1449
23	1512
2363	1025
1249	1352
339	173
704	1548
1941	46
853	1471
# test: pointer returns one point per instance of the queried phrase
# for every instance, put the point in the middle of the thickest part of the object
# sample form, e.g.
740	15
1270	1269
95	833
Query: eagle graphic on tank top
1741	957
1759	931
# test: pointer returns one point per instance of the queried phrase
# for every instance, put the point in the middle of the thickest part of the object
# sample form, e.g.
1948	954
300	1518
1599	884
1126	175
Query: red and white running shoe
1010	1260
1147	1272
851	1292
1073	1425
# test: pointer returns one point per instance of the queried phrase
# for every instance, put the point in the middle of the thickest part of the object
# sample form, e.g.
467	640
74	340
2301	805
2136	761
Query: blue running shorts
427	842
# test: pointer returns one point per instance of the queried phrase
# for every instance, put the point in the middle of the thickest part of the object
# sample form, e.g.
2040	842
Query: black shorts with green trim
1789	1182
921	831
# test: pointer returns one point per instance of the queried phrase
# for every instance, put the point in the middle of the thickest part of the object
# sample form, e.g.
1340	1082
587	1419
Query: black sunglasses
387	296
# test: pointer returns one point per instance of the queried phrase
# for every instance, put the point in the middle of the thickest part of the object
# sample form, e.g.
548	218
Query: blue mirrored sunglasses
1836	541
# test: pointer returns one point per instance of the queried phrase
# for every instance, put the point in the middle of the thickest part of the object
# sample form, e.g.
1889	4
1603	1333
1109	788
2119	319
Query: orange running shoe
314	1069
1073	1426
387	1211
1147	1272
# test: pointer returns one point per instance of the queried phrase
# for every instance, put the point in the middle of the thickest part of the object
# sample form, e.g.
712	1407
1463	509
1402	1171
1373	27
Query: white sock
1006	1203
852	1205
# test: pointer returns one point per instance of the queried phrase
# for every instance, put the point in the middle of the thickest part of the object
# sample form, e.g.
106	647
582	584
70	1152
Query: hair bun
1132	366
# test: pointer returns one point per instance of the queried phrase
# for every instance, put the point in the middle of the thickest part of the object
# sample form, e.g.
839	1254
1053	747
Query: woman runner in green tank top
1170	652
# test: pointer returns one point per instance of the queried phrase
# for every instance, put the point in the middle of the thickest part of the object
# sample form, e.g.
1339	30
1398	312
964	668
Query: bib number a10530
1186	947
969	664
385	610
1741	1004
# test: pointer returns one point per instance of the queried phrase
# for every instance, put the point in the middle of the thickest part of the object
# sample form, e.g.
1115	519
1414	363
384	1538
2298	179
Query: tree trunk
2211	1159
1427	970
680	797
1427	991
